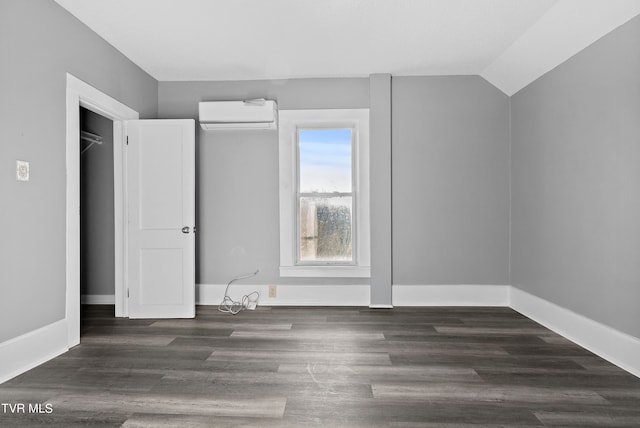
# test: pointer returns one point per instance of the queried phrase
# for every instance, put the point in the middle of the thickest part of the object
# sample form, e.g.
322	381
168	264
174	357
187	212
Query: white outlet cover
22	170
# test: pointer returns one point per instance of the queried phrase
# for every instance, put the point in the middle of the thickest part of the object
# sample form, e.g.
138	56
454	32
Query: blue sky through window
325	160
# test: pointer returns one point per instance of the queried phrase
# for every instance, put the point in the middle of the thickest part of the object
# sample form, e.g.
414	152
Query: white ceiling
508	42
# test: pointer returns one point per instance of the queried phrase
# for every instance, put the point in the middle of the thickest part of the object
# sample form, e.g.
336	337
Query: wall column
380	181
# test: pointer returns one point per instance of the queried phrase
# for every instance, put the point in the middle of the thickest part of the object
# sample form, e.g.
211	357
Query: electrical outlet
273	291
22	170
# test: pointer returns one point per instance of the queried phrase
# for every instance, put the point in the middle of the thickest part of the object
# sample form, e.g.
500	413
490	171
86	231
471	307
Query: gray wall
450	178
450	186
574	165
39	43
97	243
380	182
576	183
237	174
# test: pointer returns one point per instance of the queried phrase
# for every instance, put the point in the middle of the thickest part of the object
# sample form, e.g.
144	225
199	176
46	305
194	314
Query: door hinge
127	293
127	140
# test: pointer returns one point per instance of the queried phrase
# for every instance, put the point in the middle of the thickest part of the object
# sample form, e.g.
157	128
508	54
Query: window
324	193
325	196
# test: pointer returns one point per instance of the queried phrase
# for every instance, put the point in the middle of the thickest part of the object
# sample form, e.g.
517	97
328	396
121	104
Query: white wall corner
617	347
31	349
450	295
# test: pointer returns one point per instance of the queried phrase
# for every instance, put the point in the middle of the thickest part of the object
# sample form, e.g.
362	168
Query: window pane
325	160
325	229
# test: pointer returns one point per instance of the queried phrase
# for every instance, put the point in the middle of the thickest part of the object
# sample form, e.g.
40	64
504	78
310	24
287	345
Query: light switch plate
22	170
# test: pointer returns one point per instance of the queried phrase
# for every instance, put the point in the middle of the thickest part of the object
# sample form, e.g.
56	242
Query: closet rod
91	138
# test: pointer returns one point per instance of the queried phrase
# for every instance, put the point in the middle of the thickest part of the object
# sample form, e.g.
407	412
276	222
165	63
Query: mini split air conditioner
250	114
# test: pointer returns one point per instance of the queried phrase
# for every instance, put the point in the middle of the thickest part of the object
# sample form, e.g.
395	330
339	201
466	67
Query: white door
161	207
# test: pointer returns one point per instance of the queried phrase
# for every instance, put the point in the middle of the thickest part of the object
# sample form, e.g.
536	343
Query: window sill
326	271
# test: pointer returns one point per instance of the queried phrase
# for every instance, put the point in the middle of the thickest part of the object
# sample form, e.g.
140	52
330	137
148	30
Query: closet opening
97	225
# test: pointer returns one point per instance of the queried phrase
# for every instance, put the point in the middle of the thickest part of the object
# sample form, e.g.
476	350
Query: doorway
154	147
97	237
81	94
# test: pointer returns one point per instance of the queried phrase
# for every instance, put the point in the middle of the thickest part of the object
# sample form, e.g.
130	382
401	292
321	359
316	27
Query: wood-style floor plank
325	367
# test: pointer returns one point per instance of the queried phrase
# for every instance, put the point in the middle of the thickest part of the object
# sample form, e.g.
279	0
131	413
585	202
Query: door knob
185	229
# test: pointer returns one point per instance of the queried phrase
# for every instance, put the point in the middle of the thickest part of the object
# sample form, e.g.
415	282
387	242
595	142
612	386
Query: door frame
81	94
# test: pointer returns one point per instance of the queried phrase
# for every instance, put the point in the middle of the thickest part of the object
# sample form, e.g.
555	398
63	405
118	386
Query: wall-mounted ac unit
250	114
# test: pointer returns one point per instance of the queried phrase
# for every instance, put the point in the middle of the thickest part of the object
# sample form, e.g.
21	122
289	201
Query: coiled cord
233	307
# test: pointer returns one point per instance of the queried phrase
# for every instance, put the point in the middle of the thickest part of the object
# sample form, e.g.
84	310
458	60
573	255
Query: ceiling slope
508	42
568	27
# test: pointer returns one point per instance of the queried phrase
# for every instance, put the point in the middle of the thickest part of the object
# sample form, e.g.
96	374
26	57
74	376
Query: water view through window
325	195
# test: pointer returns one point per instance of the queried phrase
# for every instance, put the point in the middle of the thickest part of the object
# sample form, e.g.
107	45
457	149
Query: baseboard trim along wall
288	295
25	352
450	295
358	295
98	299
617	347
31	349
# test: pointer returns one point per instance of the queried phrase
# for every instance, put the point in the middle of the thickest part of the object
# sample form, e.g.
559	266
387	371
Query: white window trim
289	122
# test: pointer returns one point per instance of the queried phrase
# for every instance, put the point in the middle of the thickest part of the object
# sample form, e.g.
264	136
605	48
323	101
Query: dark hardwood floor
329	367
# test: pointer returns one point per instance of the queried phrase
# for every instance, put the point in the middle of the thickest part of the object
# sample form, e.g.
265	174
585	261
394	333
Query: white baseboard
450	295
25	352
359	295
36	347
98	299
617	347
288	295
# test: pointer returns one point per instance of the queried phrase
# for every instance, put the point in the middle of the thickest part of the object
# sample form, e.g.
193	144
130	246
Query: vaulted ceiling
508	42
